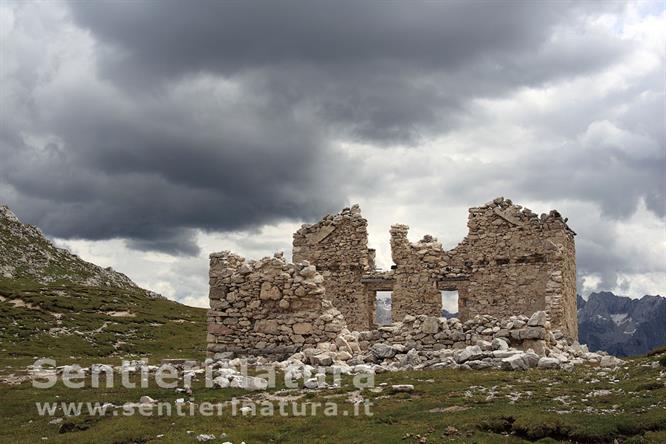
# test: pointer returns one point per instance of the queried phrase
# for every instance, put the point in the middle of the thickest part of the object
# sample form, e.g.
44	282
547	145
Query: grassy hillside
627	405
64	321
53	303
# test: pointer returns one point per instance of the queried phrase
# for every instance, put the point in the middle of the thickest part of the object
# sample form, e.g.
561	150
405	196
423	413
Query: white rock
610	361
311	383
500	344
470	353
248	382
221	382
515	362
363	368
402	388
538	319
548	363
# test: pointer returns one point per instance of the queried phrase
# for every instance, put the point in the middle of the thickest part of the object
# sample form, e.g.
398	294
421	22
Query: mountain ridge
27	255
53	303
620	325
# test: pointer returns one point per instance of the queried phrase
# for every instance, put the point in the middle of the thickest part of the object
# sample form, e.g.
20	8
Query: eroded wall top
338	246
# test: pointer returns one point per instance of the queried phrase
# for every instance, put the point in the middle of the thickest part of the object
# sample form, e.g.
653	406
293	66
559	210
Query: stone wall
338	246
512	262
415	276
517	263
267	307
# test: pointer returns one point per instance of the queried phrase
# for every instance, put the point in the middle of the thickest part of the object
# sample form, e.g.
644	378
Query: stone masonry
267	307
511	263
338	246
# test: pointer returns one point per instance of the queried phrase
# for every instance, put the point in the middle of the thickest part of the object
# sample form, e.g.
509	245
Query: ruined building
512	262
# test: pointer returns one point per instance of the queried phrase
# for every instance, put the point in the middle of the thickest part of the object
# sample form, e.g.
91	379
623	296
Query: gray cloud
162	118
388	72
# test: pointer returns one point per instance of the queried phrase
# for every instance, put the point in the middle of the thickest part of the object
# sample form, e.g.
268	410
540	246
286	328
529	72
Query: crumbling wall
415	275
516	263
338	246
267	307
434	333
512	262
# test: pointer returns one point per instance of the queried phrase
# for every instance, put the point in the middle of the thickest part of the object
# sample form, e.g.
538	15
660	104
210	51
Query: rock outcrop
27	255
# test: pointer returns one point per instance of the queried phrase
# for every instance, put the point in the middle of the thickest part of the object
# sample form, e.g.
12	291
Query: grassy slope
158	327
634	411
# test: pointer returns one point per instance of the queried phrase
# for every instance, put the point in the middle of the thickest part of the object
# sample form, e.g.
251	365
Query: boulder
499	344
363	368
311	383
402	388
610	361
515	362
323	359
485	345
382	351
302	328
269	291
538	319
269	326
248	382
531	358
470	353
549	363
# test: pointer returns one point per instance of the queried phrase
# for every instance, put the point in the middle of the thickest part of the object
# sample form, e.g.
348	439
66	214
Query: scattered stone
382	351
538	319
470	353
402	388
549	363
515	362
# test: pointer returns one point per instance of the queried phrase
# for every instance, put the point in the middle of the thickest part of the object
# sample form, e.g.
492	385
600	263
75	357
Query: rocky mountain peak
620	325
27	255
7	214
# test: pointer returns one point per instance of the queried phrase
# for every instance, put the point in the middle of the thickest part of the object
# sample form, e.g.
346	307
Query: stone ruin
512	264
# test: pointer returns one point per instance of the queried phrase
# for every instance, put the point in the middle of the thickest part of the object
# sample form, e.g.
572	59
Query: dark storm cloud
223	115
385	71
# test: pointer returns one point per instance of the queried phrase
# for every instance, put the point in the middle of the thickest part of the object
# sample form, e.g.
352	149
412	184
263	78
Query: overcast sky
145	135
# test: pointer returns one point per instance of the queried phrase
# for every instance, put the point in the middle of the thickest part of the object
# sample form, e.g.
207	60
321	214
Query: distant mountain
26	255
620	325
447	314
53	303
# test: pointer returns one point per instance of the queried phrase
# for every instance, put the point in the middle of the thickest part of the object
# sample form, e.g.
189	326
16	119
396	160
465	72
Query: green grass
446	407
483	412
157	328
